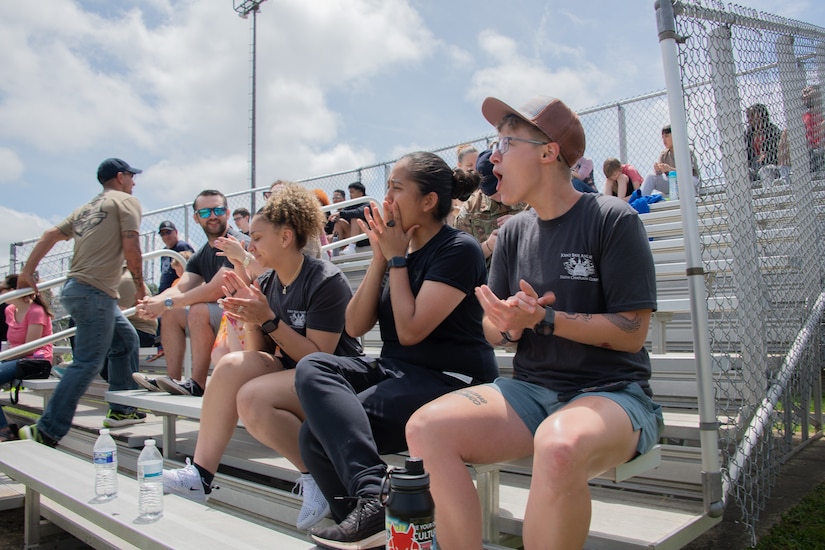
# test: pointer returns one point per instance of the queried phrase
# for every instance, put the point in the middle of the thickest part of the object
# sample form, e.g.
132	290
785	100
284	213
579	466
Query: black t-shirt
356	212
454	258
596	259
167	273
206	263
317	299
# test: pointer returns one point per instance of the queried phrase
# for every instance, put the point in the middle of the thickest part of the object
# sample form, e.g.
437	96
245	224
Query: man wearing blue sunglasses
193	302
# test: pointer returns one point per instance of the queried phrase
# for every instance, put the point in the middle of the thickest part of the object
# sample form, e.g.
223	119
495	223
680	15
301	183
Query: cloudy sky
164	84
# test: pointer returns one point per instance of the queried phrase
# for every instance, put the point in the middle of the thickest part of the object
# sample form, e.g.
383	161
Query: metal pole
708	424
252	114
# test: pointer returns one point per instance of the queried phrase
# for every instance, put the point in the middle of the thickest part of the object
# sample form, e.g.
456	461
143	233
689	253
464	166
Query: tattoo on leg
473	396
625	324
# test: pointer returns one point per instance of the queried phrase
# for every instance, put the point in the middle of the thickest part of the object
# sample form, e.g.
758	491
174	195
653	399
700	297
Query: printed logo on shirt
90	216
297	319
579	267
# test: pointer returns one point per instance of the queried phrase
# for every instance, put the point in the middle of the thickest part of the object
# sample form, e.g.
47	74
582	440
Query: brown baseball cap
550	115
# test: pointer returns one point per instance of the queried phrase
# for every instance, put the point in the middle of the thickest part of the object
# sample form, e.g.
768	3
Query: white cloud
19	227
11	166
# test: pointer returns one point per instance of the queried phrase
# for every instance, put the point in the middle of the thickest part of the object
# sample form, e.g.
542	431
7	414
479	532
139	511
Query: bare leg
575	444
271	412
173	336
471	425
202	335
219	416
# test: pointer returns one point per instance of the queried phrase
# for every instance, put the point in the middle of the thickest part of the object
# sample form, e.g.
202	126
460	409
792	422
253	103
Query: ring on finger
240	309
391	223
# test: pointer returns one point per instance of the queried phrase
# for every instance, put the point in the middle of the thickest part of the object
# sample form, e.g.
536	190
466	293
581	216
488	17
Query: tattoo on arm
625	324
475	397
585	317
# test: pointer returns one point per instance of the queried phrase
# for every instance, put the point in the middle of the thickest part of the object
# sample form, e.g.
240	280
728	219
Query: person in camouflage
482	214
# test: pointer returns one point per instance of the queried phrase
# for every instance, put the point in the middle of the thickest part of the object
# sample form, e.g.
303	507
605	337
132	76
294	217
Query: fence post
621	114
713	497
749	285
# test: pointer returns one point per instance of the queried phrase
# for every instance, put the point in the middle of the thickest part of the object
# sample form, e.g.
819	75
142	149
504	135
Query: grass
801	528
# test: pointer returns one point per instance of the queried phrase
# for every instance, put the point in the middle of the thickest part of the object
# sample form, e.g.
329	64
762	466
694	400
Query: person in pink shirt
622	179
29	318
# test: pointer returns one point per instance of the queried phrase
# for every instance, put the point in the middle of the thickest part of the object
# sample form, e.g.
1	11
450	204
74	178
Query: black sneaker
187	387
144	381
362	529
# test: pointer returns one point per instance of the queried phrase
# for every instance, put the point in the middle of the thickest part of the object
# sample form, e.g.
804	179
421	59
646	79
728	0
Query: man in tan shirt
105	231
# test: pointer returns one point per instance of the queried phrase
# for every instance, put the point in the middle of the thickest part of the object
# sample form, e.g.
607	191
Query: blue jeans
7	372
101	330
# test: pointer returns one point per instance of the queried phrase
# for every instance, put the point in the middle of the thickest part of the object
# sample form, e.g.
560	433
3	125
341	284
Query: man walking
106	231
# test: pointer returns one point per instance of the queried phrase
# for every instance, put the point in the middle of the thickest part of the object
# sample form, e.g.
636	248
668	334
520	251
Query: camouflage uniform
479	215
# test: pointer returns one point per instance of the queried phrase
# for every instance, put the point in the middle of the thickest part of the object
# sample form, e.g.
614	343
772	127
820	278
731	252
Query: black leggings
356	409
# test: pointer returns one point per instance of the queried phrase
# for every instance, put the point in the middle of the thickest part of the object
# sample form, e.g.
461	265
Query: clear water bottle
150	481
105	459
410	510
673	185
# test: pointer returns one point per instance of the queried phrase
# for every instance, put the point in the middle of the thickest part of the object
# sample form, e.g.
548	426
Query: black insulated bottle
410	510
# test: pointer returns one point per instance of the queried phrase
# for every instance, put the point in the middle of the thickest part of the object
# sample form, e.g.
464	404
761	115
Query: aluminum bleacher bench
65	501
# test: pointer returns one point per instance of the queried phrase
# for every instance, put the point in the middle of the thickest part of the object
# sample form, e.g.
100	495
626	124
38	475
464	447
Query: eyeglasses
206	212
169	231
503	144
267	194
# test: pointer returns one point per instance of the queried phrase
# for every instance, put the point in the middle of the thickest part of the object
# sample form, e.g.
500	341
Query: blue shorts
534	403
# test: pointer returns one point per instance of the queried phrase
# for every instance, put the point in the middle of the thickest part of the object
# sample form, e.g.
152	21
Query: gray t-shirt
596	258
317	299
206	263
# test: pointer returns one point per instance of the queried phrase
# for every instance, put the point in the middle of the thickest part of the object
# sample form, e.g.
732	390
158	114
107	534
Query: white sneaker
185	482
315	506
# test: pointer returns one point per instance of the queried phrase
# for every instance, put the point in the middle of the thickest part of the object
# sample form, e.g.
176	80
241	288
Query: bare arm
47	241
134	261
362	310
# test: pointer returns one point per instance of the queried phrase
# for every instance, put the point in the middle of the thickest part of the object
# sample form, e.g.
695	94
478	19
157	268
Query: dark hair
433	175
208	193
11	283
241	212
610	166
761	110
666	129
357	185
342	192
296	207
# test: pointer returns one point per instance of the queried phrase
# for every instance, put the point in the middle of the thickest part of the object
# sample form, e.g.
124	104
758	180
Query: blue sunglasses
206	212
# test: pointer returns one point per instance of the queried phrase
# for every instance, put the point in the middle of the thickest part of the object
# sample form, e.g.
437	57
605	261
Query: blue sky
165	85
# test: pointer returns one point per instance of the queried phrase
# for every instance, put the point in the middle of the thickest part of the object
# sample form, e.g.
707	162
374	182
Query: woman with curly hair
293	310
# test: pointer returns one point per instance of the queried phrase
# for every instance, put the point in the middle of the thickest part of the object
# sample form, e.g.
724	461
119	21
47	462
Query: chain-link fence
754	117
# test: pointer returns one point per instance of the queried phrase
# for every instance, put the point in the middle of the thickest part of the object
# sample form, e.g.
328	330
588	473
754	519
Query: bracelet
505	337
247	258
487	244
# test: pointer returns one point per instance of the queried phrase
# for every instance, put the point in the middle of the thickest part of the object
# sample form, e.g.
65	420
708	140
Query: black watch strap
271	326
546	326
397	261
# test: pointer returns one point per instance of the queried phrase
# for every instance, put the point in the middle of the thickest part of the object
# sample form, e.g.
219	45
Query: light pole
244	8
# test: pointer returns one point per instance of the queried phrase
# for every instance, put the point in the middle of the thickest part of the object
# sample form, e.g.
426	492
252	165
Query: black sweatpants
356	409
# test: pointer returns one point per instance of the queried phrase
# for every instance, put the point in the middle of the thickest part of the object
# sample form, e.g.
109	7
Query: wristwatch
271	326
397	261
546	326
168	303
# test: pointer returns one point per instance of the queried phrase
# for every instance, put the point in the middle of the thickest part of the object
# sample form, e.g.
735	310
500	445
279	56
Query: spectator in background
4	328
28	318
241	219
762	142
419	288
344	224
573	284
666	163
339	195
106	230
192	304
466	157
582	174
621	179
814	123
169	234
483	213
324	201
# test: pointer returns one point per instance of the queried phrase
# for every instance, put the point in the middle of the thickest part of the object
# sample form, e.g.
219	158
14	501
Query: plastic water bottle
673	185
410	510
105	459
150	480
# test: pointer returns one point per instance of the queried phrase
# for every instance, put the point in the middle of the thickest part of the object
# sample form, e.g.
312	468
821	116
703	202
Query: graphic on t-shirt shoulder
90	215
579	267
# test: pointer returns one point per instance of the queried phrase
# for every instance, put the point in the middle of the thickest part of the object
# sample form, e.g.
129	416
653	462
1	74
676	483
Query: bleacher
654	504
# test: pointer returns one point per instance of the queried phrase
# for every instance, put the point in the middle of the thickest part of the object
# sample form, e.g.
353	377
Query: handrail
24	349
343	204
